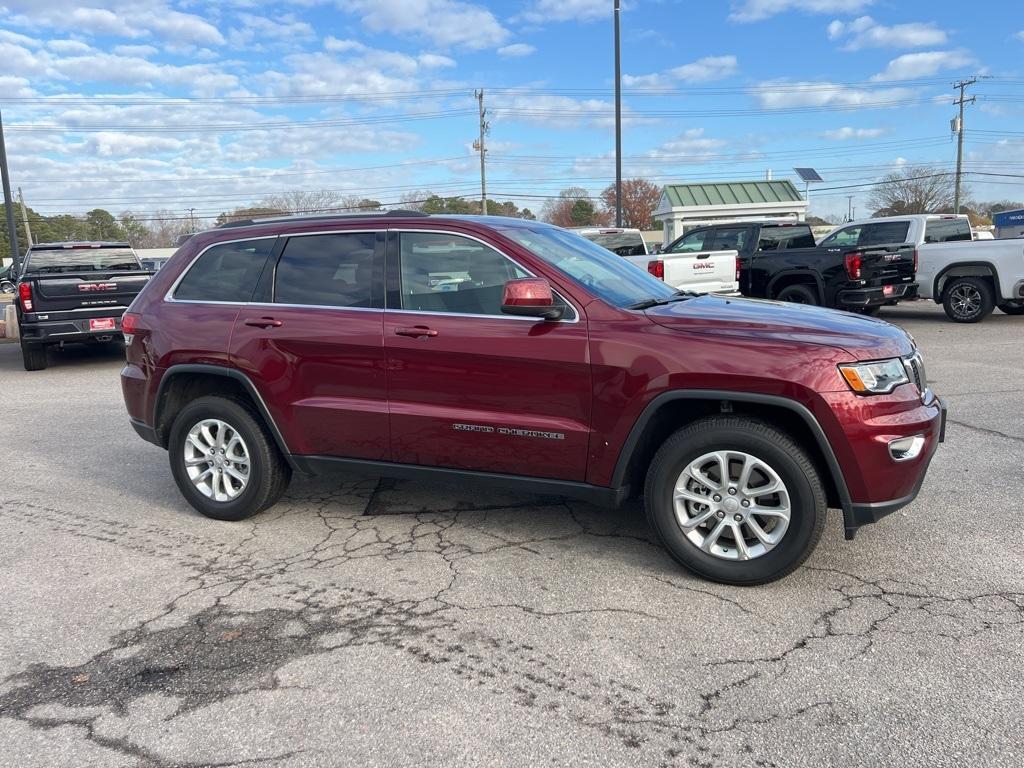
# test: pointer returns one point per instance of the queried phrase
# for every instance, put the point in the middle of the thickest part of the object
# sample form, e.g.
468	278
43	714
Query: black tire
798	294
968	299
33	356
768	444
1012	307
269	474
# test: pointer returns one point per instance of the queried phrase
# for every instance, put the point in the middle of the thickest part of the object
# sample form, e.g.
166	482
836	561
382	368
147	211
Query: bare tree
163	228
304	201
913	189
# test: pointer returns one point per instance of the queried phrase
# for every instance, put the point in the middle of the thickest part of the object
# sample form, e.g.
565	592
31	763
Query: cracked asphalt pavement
375	622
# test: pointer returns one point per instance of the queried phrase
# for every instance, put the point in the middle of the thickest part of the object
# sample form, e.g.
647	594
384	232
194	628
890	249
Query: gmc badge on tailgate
88	287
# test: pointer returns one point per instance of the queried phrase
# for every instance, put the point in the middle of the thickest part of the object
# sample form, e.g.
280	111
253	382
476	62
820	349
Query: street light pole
12	235
618	122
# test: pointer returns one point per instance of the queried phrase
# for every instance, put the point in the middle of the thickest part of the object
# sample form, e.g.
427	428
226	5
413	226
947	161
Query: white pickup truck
968	277
697	271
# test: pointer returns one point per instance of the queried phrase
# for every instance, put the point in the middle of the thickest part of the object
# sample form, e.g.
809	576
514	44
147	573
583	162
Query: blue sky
161	104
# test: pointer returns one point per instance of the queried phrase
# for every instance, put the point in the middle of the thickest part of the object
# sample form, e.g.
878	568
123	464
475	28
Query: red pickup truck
515	353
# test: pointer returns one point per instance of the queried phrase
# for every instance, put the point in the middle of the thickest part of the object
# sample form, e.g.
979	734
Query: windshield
604	274
622	243
81	260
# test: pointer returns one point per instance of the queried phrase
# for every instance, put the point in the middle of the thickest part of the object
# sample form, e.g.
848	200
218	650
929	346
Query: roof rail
396	213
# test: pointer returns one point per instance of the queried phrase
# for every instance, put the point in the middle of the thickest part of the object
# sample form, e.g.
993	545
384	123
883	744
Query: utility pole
478	145
959	126
618	122
192	220
12	235
849	207
24	218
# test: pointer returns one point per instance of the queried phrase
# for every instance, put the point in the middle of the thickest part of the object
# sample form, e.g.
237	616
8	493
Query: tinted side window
946	230
775	238
327	270
732	239
448	273
689	243
227	272
846	236
884	232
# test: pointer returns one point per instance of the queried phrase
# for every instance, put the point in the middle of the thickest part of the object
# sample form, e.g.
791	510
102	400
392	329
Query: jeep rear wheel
798	294
968	300
224	461
735	500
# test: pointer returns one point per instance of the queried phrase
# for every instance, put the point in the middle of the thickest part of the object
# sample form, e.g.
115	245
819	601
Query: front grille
915	370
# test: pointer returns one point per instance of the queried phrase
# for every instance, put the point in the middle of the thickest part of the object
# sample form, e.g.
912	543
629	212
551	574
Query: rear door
712	268
312	344
472	388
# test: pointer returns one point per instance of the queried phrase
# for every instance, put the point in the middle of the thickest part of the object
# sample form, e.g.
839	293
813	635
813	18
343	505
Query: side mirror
530	297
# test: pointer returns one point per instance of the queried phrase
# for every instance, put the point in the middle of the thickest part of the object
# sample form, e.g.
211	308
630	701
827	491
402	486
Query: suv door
470	387
691	242
312	343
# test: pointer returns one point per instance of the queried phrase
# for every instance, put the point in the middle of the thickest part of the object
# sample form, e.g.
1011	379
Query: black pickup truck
780	260
74	292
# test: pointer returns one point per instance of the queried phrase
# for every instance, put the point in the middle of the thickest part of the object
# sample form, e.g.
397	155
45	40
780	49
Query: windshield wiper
677	296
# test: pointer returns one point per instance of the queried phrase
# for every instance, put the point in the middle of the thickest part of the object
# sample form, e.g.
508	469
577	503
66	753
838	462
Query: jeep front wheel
735	500
224	461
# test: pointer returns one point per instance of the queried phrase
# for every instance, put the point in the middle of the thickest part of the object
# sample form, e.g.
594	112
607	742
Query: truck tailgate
62	292
887	264
699	271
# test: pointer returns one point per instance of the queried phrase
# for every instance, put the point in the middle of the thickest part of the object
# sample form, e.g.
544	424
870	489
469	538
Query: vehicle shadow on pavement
84	357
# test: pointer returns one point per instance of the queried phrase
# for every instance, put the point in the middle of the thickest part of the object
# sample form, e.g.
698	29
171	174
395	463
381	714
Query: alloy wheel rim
217	460
966	300
732	505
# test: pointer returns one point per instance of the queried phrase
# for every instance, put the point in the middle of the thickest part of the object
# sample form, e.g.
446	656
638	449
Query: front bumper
876	296
865	513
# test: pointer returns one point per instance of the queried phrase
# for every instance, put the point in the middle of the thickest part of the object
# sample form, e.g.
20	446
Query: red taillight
915	261
25	294
129	322
656	268
853	265
737	269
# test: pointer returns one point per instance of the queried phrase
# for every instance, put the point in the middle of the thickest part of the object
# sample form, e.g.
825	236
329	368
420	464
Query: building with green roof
685	206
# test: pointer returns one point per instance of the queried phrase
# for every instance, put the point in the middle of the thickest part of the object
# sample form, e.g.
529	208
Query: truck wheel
968	300
798	294
1012	307
223	459
34	356
735	500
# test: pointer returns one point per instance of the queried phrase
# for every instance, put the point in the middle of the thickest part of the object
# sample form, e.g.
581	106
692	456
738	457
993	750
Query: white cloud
445	23
121	18
845	133
1020	35
691	142
701	71
259	30
542	11
68	46
756	10
865	32
784	94
14	87
516	50
7	36
142	51
435	61
913	65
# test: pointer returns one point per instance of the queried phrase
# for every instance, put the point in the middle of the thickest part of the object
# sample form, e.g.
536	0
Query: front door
470	387
313	345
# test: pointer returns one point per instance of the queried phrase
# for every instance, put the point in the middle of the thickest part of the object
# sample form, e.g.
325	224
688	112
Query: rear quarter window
946	230
780	238
227	272
885	233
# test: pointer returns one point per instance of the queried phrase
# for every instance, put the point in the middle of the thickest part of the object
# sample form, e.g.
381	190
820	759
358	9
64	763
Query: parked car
779	260
311	344
74	292
624	242
916	229
971	278
7	284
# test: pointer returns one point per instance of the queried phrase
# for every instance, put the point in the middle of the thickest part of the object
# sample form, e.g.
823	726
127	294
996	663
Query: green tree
101	225
582	213
135	232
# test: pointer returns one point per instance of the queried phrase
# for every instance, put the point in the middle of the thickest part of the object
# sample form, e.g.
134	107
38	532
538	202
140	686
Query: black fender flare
230	373
815	277
943	277
831	462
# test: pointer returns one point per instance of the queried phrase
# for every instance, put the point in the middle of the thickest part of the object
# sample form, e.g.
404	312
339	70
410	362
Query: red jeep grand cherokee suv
517	353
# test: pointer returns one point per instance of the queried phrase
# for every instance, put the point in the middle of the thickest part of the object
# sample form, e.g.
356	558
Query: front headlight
876	378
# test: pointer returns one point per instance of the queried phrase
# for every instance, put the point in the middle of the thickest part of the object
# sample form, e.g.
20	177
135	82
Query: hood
863	338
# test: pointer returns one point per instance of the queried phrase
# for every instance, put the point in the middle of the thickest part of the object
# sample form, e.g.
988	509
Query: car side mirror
530	297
